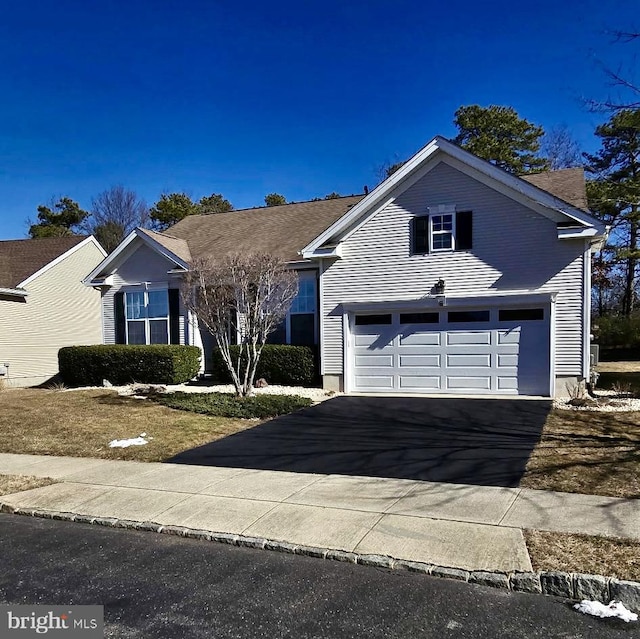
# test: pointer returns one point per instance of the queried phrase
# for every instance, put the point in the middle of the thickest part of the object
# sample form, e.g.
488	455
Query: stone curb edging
575	586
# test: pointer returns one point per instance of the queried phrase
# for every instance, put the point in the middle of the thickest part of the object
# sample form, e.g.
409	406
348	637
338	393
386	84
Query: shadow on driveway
470	441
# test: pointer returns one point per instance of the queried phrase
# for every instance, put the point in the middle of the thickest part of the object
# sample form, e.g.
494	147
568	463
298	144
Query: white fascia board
324	251
114	257
13	292
512	185
572	233
57	260
432	301
110	259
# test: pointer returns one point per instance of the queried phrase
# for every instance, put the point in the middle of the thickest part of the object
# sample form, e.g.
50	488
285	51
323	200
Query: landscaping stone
311	551
378	561
251	542
342	555
281	546
104	521
591	587
628	592
179	531
84	519
493	579
148	526
413	566
224	538
450	573
558	584
525	582
203	535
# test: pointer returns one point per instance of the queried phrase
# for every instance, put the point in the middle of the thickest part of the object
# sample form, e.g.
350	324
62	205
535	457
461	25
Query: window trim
432	233
146	319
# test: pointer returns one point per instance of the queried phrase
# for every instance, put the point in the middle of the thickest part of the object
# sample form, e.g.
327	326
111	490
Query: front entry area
501	350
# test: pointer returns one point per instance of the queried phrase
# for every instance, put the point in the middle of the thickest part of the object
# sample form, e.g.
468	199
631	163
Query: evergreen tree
498	134
63	217
614	195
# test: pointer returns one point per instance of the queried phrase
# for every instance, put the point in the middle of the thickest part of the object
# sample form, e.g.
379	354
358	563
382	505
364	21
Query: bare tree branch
241	295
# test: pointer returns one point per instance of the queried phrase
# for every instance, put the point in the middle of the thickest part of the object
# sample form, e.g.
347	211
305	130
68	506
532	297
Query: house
44	304
452	276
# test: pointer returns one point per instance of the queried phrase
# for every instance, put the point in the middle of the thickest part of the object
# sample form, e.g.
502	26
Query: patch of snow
614	609
134	441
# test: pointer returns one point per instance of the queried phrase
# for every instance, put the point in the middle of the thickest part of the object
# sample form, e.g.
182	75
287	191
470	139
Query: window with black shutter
420	235
442	232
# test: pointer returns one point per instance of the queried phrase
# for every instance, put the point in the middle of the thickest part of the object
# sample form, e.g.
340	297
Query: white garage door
500	350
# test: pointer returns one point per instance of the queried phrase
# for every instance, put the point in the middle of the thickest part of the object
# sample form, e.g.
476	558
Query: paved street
160	586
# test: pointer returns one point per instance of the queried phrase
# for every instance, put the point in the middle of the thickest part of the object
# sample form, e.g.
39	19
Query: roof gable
20	260
440	149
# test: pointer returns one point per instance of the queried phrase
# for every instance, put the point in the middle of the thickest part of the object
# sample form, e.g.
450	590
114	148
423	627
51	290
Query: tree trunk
632	261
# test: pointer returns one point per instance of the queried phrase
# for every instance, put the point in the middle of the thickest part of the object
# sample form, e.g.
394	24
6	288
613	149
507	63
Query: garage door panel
455	338
420	382
374	382
507	360
374	360
509	337
469	383
467	360
416	361
508	383
420	339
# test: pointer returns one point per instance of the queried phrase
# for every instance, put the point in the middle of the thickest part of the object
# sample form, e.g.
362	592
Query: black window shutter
464	231
174	315
420	234
118	311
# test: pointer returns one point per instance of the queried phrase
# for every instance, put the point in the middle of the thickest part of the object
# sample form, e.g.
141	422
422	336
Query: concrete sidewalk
461	526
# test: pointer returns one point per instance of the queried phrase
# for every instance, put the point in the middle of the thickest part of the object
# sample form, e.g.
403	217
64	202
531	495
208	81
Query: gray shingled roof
285	230
277	230
21	258
567	184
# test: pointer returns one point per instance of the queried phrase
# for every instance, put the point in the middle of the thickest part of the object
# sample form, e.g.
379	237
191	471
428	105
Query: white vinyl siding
59	311
514	248
140	265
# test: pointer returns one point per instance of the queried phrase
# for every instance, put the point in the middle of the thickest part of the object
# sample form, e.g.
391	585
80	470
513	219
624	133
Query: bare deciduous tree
560	148
243	295
114	214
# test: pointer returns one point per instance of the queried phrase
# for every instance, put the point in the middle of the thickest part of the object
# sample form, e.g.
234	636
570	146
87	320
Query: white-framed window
442	232
147	316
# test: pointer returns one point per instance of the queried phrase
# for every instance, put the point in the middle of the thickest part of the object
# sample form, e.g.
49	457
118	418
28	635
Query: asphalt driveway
468	441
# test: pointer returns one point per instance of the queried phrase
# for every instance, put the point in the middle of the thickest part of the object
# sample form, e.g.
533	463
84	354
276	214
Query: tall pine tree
614	195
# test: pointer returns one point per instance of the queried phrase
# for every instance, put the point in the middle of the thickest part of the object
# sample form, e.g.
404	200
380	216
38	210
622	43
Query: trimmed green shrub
279	364
228	405
124	364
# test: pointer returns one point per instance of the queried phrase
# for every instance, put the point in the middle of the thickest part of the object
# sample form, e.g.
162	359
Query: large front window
147	314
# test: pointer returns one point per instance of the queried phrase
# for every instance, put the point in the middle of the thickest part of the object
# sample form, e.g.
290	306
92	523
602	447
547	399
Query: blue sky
247	98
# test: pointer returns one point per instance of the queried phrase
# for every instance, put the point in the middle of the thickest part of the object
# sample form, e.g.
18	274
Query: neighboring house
452	276
44	304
